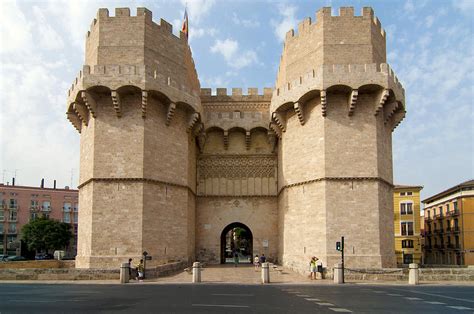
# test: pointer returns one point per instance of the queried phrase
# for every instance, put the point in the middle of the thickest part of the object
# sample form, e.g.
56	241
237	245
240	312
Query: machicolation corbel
74	119
81	113
117	104
170	113
226	139
324	103
193	119
279	120
389	110
144	103
383	97
353	101
90	102
272	126
299	111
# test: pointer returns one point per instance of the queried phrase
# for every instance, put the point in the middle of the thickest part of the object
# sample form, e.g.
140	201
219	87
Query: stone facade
167	166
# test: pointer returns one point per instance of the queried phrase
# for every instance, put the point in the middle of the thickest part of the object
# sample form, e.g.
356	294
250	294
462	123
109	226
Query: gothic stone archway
236	237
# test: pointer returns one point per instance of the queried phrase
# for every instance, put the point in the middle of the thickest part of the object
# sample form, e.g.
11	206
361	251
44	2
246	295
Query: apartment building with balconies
406	213
449	226
20	204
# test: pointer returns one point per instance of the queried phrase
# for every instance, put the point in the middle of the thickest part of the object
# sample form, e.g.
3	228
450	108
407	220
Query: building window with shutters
406	228
407	244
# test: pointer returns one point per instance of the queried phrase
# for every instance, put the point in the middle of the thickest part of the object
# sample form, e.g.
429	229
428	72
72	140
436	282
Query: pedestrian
256	262
236	258
140	270
263	259
313	267
130	268
320	268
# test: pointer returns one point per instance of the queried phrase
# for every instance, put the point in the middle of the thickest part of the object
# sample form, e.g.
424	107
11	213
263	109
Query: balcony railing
448	229
454	212
46	208
13	207
439	216
456	229
450	246
428	219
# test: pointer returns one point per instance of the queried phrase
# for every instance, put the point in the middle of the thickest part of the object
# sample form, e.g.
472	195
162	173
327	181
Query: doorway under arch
236	238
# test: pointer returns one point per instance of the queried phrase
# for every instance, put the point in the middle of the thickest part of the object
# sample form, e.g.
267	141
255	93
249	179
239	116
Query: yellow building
449	226
406	207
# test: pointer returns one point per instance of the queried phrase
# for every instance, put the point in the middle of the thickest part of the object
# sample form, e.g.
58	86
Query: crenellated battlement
235	92
327	75
147	78
141	13
325	15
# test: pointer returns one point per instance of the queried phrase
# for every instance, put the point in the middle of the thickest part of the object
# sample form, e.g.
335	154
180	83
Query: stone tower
334	108
171	169
136	104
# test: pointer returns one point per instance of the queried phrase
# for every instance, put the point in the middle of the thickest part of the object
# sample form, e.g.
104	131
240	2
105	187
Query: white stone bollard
338	274
413	275
196	272
124	273
265	273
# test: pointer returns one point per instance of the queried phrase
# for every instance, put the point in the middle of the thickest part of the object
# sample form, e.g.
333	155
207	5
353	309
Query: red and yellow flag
185	28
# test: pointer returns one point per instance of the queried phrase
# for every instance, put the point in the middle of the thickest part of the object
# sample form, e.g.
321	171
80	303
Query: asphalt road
223	298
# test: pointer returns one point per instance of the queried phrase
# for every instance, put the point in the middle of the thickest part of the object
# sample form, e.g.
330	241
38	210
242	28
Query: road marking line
37	301
460	307
413	299
303	295
312	299
294	292
394	294
233	295
219	305
434	302
325	304
336	309
435	295
378	291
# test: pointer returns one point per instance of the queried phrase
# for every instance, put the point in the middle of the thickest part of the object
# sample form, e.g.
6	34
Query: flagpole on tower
185	27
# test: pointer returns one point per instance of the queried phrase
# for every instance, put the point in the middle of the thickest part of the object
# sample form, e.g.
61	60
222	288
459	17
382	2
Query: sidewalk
242	274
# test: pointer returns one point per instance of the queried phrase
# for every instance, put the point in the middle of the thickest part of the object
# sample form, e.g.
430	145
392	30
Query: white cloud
75	17
49	39
429	21
466	6
288	20
229	49
15	29
245	22
409	7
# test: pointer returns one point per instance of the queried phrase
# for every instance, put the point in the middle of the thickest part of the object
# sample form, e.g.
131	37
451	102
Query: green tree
43	234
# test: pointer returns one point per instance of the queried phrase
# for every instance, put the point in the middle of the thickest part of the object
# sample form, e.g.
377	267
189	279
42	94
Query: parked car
15	258
43	256
3	257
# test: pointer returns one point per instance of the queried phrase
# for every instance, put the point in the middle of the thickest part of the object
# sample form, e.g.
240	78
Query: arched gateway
236	238
295	163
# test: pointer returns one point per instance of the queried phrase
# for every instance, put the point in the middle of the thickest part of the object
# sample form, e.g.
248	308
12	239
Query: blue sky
430	45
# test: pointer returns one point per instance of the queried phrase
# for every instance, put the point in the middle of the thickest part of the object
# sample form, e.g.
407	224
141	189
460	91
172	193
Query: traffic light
338	245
